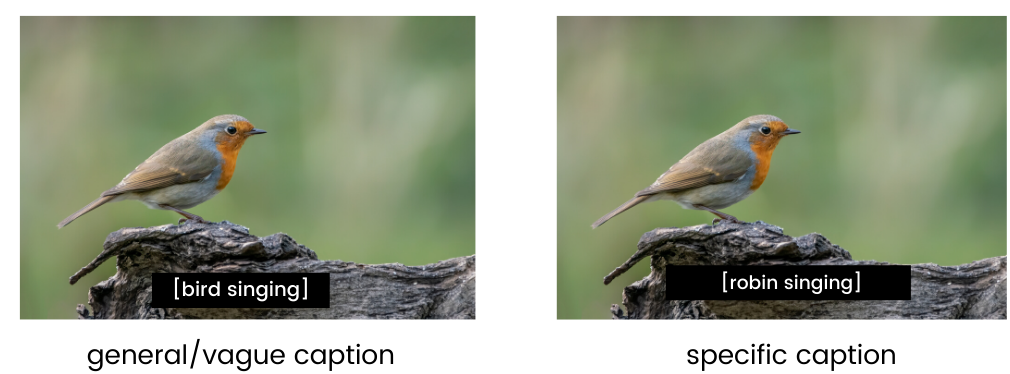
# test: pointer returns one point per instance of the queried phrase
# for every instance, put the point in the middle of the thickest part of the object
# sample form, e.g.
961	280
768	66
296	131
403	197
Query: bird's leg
189	216
722	216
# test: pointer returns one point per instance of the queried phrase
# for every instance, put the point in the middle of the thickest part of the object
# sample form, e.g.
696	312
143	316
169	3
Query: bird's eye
231	130
766	130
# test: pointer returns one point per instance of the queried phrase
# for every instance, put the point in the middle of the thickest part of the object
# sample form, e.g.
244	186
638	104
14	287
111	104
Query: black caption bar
240	290
828	282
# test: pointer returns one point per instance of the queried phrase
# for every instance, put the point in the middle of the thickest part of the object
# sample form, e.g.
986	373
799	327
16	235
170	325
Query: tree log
972	291
442	290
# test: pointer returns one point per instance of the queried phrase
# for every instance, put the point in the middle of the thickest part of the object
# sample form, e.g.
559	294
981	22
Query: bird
185	172
718	173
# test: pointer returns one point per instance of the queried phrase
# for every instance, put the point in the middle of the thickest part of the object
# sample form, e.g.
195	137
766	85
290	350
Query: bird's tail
87	208
627	205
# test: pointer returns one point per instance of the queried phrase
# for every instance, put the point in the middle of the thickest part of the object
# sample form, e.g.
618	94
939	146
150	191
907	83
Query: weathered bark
971	291
442	290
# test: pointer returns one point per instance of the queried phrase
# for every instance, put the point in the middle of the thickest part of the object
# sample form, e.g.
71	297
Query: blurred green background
902	156
369	155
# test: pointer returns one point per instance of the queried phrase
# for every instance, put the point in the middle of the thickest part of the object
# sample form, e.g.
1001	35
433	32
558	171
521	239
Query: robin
185	172
718	173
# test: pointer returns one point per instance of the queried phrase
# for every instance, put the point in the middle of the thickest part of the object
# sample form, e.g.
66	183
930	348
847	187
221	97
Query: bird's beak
790	132
255	131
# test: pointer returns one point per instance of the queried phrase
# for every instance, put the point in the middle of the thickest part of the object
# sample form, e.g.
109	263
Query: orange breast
764	161
230	155
763	147
229	145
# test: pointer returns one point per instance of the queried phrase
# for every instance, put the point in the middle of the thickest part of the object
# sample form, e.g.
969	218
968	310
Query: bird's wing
153	175
686	175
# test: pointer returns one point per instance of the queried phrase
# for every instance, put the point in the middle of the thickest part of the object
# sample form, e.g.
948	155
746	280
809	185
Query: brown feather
151	176
87	208
686	175
627	205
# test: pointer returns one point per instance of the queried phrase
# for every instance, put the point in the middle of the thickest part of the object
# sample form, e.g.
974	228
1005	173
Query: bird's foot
722	216
729	219
196	219
187	216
